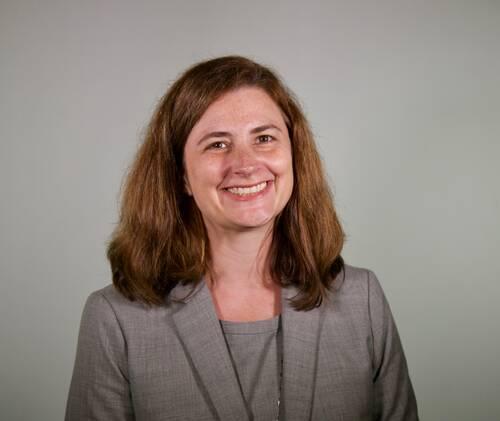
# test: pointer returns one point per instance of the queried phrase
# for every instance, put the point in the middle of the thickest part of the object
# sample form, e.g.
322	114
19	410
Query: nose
243	160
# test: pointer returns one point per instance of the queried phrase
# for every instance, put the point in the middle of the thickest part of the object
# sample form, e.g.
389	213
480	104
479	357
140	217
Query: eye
217	145
265	138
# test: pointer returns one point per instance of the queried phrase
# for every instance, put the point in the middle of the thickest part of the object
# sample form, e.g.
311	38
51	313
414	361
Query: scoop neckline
252	327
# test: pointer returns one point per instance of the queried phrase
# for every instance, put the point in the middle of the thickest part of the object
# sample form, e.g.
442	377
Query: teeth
241	191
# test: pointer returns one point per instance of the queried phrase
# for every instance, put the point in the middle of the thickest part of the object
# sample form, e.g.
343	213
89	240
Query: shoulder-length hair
160	239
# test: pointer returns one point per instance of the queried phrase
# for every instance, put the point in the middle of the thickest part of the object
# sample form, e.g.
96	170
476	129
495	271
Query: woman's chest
167	381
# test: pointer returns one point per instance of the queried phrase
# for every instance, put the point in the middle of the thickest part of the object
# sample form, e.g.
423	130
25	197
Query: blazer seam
372	336
316	360
125	343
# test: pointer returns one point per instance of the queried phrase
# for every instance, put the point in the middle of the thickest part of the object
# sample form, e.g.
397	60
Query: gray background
403	97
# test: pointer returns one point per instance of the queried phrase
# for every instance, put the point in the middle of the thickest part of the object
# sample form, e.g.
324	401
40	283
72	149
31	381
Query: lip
250	196
244	186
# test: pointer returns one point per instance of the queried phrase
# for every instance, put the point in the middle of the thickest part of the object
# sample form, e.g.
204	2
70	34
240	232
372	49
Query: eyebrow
263	128
255	130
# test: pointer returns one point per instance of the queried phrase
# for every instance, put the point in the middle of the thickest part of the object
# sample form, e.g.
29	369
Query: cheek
204	174
287	168
283	164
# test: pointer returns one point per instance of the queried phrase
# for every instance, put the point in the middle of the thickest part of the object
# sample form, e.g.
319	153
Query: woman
230	300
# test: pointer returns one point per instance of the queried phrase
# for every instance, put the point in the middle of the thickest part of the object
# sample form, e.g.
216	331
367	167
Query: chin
249	223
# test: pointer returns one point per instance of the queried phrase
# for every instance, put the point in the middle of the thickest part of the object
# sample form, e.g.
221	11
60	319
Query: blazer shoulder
355	272
111	295
109	301
132	317
356	289
117	300
354	279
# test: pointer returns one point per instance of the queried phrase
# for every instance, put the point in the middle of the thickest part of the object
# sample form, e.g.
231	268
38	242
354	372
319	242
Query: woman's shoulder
109	303
110	297
108	293
356	285
357	301
353	278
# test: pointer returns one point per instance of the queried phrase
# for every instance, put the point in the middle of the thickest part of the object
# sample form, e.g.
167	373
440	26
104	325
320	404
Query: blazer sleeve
394	395
99	387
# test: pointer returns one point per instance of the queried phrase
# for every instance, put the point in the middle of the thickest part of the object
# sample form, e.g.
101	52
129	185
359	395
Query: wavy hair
160	239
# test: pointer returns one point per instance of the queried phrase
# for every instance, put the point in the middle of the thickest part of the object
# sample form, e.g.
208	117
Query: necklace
275	409
279	352
279	345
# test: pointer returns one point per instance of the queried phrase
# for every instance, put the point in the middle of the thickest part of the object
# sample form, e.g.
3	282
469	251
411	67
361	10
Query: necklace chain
279	344
279	347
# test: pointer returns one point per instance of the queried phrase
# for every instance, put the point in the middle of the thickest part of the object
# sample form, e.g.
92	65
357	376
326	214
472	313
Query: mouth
243	191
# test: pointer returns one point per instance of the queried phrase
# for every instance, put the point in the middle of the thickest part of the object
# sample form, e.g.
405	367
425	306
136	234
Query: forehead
246	105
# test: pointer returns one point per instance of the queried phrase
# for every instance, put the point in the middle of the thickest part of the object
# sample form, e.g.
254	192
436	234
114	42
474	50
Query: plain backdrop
404	101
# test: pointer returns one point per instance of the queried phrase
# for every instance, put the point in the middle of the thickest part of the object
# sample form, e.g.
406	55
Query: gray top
342	361
253	349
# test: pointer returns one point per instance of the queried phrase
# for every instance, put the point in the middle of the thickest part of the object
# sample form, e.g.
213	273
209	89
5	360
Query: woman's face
238	161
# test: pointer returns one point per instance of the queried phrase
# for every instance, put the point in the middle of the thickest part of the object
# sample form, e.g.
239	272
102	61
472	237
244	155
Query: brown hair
160	239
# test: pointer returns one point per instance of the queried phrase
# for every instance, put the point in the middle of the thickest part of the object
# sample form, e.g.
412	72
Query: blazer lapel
301	331
199	329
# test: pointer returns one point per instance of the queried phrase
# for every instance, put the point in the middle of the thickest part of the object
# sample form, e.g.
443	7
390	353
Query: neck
240	259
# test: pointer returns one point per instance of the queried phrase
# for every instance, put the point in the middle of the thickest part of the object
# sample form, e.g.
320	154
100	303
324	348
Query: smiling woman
230	299
241	173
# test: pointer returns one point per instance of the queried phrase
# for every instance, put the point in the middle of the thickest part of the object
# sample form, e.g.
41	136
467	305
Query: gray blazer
342	360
